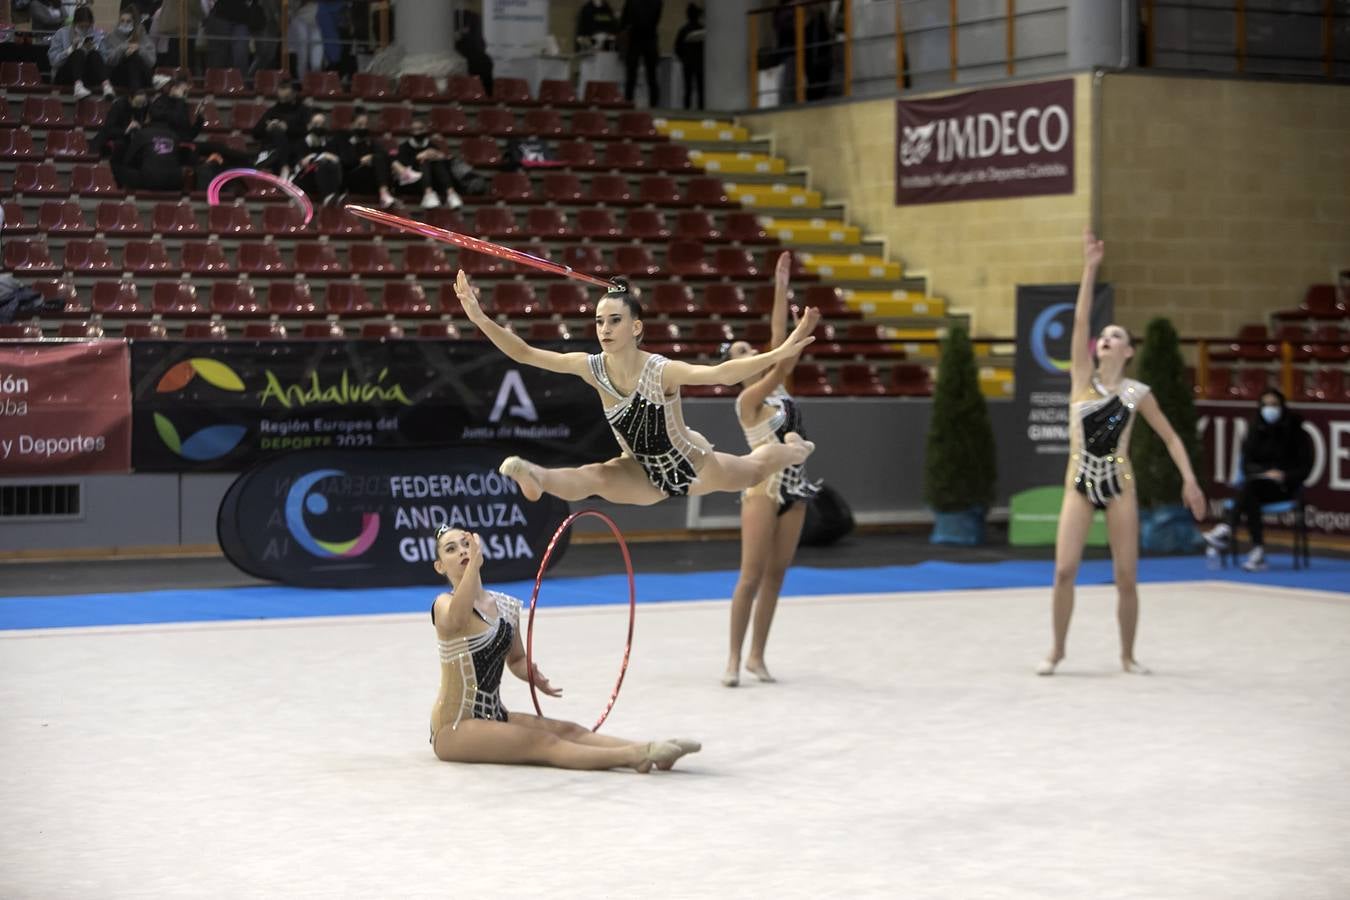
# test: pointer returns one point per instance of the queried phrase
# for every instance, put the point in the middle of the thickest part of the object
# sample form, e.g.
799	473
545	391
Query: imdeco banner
979	145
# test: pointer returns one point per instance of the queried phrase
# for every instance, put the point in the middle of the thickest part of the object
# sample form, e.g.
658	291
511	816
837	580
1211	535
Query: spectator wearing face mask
1276	459
152	160
318	170
76	58
124	116
366	166
129	53
281	130
418	155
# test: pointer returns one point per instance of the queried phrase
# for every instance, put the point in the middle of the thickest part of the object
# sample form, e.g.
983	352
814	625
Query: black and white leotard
649	427
1099	438
472	667
789	485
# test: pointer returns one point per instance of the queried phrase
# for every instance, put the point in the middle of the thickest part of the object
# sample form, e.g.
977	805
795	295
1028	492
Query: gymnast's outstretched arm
1080	357
734	371
510	344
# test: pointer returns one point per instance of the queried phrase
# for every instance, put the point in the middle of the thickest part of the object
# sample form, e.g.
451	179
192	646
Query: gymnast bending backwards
1102	404
662	457
772	511
478	636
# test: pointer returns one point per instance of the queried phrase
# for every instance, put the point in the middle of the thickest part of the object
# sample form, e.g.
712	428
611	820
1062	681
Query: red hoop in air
534	602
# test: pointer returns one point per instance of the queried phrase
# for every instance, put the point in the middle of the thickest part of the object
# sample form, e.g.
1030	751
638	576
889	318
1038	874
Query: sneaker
1218	536
387	200
430	200
159	81
1256	560
108	91
453	199
80	91
408	176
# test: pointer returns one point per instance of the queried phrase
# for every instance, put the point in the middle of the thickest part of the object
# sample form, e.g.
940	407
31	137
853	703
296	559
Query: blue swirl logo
303	498
1051	335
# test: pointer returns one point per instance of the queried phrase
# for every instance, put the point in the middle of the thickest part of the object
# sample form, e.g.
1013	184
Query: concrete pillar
725	68
1100	33
424	32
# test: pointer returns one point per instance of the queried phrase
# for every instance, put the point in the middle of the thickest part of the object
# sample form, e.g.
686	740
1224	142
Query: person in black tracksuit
641	20
124	116
281	131
689	49
318	169
152	162
366	166
1277	457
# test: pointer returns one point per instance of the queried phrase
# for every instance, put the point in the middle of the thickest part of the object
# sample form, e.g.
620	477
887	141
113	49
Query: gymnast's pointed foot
1048	665
1132	667
757	668
686	747
524	475
732	676
660	753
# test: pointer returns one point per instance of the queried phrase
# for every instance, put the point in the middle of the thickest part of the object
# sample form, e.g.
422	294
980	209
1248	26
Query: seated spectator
318	170
76	58
124	116
432	165
129	53
281	129
172	106
1277	456
152	161
47	15
597	26
366	167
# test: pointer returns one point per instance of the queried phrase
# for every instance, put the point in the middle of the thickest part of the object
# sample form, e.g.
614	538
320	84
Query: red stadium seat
1252	383
237	298
646	225
266	81
465	89
481	264
634	260
811	380
225	82
548	332
271	330
557	93
90	112
625	156
291	298
675	299
561	187
686	258
598	224
744	227
244	115
512	187
576	154
829	300
695	225
37	178
512	91
211	120
329	330
714	333
604	94
93	180
569	299
285	220
63	216
175	298
333	220
370	86
420	88
388	330
671	157
589	123
495	121
313	258
547	222
542	123
175	218
395	119
481	152
45	112
261	258
146	257
205	257
118	298
495	222
585	258
727	301
322	85
20	76
443	330
88	256
17	143
450	121
515	298
735	262
348	298
448	219
88	330
705	191
426	259
406	298
911	380
372	258
608	188
861	380
868	339
120	217
214	330
637	125
229	220
16	219
153	330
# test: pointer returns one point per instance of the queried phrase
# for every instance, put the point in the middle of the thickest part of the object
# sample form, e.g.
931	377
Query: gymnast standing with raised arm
1102	404
662	457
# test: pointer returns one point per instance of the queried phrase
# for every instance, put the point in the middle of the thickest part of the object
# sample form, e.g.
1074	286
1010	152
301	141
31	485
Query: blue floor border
246	603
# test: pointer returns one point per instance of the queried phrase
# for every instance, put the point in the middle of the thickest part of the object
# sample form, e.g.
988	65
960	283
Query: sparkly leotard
1099	427
472	668
649	427
789	485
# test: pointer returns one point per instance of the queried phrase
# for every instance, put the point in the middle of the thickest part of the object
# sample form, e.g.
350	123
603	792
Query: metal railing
1237	36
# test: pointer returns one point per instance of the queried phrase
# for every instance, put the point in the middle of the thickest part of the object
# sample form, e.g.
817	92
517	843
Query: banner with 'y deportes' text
1013	141
225	406
65	409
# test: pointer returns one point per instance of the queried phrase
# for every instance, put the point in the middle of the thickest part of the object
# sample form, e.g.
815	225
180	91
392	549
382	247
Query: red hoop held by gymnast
534	601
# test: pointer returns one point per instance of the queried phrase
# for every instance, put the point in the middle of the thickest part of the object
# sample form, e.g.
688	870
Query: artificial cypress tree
1161	367
959	470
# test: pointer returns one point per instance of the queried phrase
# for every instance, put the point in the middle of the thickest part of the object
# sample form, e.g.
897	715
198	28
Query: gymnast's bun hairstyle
620	289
